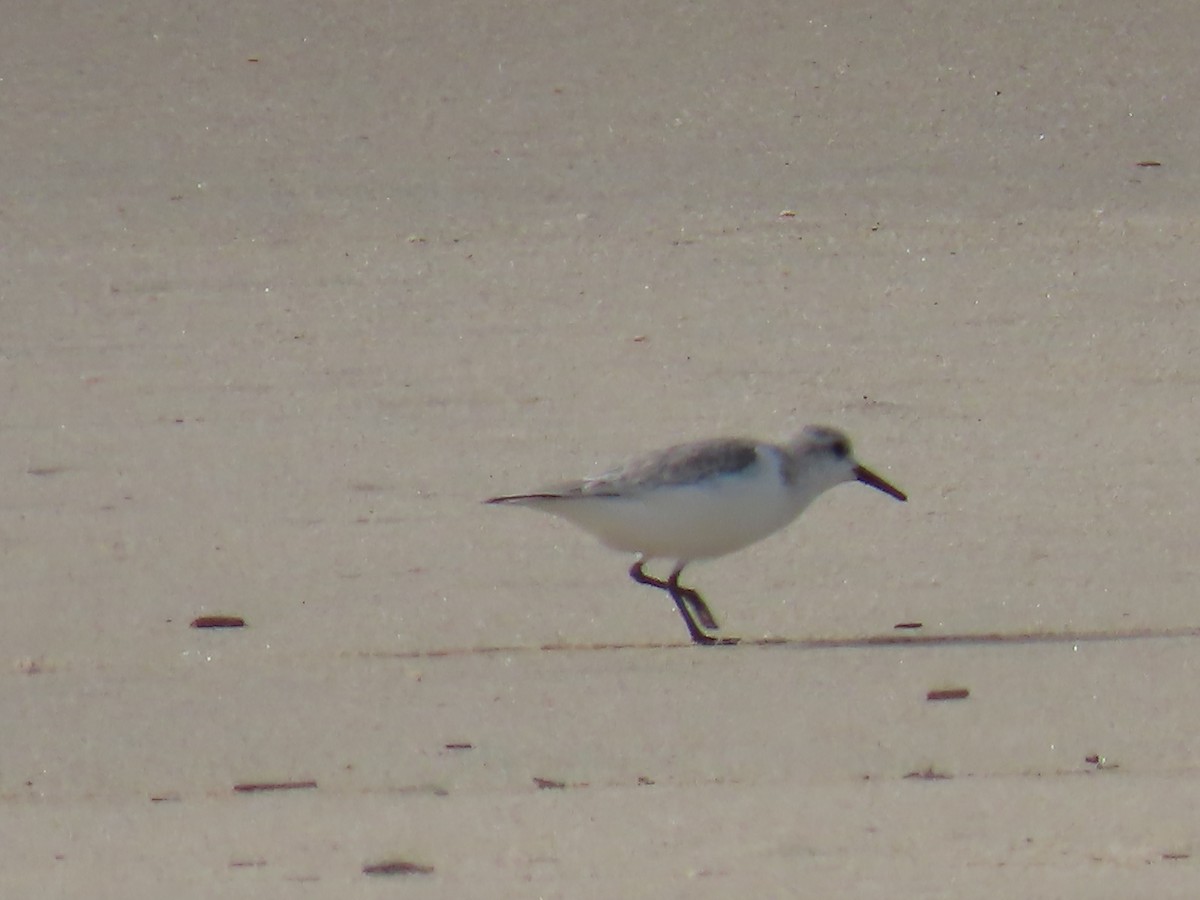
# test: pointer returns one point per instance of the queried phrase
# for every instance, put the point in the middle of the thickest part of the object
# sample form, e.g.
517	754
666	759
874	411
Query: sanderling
703	500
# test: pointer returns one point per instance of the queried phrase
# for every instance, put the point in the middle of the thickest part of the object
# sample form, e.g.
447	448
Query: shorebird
703	500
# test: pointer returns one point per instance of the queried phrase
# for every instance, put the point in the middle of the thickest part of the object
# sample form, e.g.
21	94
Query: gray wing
681	464
678	465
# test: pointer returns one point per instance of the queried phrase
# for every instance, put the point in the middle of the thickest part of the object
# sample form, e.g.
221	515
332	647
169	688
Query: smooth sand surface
288	289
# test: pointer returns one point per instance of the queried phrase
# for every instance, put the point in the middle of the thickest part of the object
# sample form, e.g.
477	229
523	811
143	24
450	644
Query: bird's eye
840	449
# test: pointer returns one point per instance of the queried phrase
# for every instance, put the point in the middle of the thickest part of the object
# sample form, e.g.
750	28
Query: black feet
687	601
706	640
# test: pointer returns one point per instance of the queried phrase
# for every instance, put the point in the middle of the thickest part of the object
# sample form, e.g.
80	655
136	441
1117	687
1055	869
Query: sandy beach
288	291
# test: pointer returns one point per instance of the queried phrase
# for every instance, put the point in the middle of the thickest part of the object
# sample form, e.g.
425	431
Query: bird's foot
707	640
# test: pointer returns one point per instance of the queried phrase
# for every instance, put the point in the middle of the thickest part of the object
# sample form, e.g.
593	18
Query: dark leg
673	587
638	574
680	594
682	597
693	598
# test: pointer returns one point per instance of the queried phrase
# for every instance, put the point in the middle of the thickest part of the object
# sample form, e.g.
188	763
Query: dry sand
288	288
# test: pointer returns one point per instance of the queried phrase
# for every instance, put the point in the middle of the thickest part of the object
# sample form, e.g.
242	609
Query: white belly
688	522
